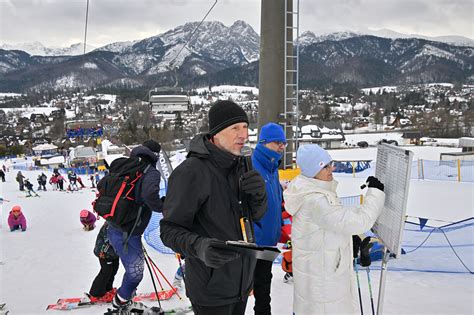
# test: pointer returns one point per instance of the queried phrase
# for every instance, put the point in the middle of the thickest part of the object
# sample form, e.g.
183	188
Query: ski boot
131	307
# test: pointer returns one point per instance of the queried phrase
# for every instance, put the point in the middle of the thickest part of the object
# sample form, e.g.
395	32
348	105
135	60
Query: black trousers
261	287
229	309
104	281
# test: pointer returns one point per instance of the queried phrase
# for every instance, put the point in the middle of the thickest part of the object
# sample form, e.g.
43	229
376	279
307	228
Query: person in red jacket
16	219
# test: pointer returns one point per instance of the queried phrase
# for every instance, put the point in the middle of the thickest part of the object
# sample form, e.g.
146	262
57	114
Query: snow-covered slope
54	258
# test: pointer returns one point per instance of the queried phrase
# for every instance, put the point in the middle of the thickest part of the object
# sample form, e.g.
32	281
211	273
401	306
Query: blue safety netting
444	249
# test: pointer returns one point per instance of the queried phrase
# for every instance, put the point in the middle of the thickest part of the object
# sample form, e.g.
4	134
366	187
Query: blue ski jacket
268	229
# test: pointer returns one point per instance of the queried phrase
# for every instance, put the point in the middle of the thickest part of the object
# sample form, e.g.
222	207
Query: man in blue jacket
266	158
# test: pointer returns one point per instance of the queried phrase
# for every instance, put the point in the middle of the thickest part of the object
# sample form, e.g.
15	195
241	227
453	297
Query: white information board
393	169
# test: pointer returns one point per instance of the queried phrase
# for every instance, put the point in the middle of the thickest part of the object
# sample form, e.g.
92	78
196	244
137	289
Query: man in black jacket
203	209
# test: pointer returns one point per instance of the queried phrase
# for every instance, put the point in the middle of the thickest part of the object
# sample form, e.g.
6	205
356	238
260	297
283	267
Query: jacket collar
269	159
201	147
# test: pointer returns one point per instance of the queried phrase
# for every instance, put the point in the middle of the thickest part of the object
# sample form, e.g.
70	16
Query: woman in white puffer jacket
321	235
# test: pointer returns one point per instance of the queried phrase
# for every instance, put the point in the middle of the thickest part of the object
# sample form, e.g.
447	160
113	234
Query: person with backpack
266	158
102	289
20	179
204	209
131	214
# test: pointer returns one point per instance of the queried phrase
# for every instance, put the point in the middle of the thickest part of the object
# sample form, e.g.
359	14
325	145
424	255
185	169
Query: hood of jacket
302	186
145	153
201	147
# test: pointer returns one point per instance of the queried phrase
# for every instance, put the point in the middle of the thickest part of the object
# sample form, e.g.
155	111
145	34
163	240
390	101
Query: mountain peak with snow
38	49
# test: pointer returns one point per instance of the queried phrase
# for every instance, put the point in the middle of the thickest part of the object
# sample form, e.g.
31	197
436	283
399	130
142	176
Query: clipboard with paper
260	252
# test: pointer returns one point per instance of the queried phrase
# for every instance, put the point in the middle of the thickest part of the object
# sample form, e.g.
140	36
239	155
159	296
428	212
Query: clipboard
260	252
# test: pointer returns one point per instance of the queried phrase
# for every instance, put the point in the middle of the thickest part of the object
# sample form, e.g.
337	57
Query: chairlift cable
85	31
171	63
192	34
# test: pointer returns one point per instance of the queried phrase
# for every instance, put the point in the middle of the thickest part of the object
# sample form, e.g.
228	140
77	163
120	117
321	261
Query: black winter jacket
202	202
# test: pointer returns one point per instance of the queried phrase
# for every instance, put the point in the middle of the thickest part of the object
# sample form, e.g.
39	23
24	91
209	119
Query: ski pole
152	279
358	286
154	271
153	263
370	290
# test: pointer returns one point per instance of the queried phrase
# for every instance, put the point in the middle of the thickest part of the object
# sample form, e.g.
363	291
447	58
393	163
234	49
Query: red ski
73	303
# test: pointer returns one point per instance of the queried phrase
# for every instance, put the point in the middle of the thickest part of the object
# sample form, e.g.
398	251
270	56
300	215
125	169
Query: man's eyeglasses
279	143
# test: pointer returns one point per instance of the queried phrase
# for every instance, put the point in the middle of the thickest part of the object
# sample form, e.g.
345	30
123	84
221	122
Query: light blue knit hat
311	159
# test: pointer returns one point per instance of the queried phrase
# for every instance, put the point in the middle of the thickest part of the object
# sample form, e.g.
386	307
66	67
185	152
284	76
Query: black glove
373	182
365	247
252	183
213	256
163	199
355	246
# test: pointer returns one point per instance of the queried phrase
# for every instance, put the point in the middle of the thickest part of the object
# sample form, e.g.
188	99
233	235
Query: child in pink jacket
88	220
16	219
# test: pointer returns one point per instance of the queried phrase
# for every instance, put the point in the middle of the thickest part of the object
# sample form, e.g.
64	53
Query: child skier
87	219
72	176
29	189
16	219
102	289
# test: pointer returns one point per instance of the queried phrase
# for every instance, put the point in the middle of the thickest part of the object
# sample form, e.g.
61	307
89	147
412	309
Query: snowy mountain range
219	54
309	37
38	49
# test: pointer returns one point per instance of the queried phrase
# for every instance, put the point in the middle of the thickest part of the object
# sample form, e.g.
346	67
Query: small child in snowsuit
102	289
88	220
16	219
29	189
72	176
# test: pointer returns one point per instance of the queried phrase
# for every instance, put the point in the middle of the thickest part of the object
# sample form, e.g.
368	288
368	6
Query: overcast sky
61	22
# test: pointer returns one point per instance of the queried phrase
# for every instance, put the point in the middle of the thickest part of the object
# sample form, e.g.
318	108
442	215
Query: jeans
133	261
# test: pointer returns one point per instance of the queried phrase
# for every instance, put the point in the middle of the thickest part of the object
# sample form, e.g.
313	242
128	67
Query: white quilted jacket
324	281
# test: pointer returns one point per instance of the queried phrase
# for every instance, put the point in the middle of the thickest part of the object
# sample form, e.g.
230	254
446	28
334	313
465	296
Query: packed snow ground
54	258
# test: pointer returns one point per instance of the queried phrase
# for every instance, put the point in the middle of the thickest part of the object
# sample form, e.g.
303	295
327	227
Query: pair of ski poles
152	266
367	269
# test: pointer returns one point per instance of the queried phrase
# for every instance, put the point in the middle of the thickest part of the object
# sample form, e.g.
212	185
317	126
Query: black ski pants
261	287
230	309
104	281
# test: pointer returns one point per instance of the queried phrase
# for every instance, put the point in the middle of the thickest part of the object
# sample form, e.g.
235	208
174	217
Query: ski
153	311
73	303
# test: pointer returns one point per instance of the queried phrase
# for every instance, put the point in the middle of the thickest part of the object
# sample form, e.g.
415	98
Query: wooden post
459	170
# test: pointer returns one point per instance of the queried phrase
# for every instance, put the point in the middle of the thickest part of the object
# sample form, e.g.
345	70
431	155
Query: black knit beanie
224	114
152	145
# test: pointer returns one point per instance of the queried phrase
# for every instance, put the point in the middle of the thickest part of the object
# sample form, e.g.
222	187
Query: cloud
61	22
